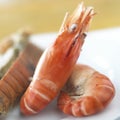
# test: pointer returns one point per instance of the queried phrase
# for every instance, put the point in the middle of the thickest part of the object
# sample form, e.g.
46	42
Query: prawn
16	80
57	62
10	48
86	92
15	71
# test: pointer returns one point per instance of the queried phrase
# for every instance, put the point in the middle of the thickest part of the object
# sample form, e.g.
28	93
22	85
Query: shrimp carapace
86	92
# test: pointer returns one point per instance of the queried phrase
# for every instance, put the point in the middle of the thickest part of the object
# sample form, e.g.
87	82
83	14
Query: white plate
102	52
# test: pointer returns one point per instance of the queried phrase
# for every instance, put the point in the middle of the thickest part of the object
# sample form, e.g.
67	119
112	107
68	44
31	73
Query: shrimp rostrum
57	61
86	92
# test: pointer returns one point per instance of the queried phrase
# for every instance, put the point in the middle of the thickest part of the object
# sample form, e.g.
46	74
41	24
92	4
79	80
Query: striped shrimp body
16	79
86	92
57	62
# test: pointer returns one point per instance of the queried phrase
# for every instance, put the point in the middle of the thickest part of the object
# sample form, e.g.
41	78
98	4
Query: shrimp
86	92
10	48
57	62
16	79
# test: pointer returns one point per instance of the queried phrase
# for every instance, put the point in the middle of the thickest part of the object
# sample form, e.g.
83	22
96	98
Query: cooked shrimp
11	47
57	62
16	79
86	92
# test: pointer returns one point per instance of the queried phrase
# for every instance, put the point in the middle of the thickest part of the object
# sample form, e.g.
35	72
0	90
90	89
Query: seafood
16	79
86	92
10	48
57	62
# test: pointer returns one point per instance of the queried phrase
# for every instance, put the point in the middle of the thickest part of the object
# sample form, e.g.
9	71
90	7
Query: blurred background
47	15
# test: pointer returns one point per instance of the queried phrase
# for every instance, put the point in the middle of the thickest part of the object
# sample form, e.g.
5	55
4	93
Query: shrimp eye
73	27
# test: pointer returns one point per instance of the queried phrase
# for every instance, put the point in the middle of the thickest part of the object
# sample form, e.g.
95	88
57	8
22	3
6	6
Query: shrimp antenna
63	23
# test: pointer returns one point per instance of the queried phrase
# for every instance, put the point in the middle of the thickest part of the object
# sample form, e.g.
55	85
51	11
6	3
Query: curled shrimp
86	92
57	62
